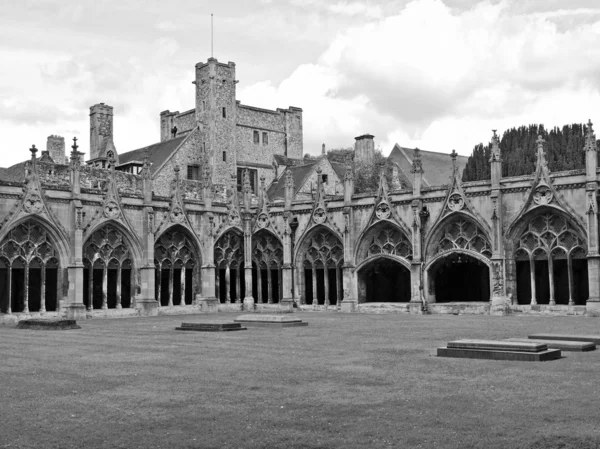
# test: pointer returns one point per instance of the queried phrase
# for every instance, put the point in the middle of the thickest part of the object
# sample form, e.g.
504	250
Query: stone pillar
145	300
350	300
499	301
418	298
248	299
593	256
207	299
76	309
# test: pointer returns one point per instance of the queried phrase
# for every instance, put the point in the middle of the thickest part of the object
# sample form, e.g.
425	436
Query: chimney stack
364	148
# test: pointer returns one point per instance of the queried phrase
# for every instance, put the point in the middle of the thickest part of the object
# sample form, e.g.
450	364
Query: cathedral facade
223	214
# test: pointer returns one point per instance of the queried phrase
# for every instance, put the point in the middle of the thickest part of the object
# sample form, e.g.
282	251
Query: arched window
229	260
267	261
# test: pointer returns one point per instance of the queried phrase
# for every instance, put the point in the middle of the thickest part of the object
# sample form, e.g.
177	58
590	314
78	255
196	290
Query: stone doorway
384	280
459	277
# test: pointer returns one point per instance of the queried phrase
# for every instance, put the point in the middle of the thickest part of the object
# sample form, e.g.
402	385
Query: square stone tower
101	129
216	114
55	145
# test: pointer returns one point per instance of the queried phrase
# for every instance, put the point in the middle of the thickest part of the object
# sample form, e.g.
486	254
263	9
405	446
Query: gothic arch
177	259
458	232
384	239
305	239
133	242
548	250
59	240
267	263
30	267
110	258
319	260
516	228
229	265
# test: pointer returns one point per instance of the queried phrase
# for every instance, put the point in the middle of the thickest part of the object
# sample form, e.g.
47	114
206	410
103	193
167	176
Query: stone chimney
364	148
101	129
167	122
55	146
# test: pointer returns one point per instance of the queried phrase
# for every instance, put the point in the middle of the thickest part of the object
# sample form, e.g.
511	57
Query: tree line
518	148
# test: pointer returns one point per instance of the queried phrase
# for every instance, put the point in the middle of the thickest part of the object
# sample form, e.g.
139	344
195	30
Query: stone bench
211	327
565	345
499	350
261	320
49	325
566	337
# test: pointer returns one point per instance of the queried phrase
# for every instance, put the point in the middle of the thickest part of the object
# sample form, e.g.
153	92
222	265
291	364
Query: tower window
253	175
324	179
265	139
256	137
203	105
224	156
193	172
224	112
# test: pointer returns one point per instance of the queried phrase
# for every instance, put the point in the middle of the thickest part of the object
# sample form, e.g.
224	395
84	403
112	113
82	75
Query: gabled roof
437	167
158	153
14	173
299	174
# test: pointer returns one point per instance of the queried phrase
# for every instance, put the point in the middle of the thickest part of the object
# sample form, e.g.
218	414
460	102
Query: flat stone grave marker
48	324
565	345
499	350
262	320
225	326
566	337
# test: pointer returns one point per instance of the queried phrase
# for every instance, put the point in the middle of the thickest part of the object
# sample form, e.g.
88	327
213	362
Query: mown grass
345	381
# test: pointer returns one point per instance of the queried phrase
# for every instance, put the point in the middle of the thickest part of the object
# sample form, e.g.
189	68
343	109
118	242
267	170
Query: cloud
429	74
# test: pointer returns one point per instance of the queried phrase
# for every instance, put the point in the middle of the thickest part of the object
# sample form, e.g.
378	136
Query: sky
437	74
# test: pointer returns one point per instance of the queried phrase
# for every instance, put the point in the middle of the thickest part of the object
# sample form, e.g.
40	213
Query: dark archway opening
333	286
384	280
461	278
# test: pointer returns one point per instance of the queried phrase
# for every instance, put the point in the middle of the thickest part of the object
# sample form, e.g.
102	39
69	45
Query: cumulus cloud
430	75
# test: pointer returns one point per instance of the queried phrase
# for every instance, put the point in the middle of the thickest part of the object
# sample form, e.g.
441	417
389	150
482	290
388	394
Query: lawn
345	381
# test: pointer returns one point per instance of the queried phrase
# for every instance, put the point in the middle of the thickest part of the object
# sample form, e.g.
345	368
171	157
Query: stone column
532	273
182	280
9	306
227	284
43	289
248	299
119	274
208	299
259	282
269	286
591	165
315	301
326	281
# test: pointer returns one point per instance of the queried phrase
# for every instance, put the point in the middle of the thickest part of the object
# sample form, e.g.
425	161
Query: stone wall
189	153
332	187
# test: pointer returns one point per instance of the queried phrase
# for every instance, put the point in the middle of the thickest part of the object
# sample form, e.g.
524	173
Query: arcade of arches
550	266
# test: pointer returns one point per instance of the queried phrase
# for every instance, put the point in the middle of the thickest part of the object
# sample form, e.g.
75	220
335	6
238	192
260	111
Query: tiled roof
437	167
14	173
158	153
299	173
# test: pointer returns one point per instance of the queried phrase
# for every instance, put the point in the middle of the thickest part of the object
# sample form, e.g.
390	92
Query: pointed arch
384	238
32	256
458	231
111	255
319	259
177	259
548	248
131	239
229	265
60	241
267	263
308	233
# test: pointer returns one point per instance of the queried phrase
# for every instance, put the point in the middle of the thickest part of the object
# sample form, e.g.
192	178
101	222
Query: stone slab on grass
565	345
497	345
48	325
211	327
541	356
261	320
566	337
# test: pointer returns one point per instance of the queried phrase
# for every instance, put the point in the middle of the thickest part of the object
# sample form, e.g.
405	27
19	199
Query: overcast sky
429	73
